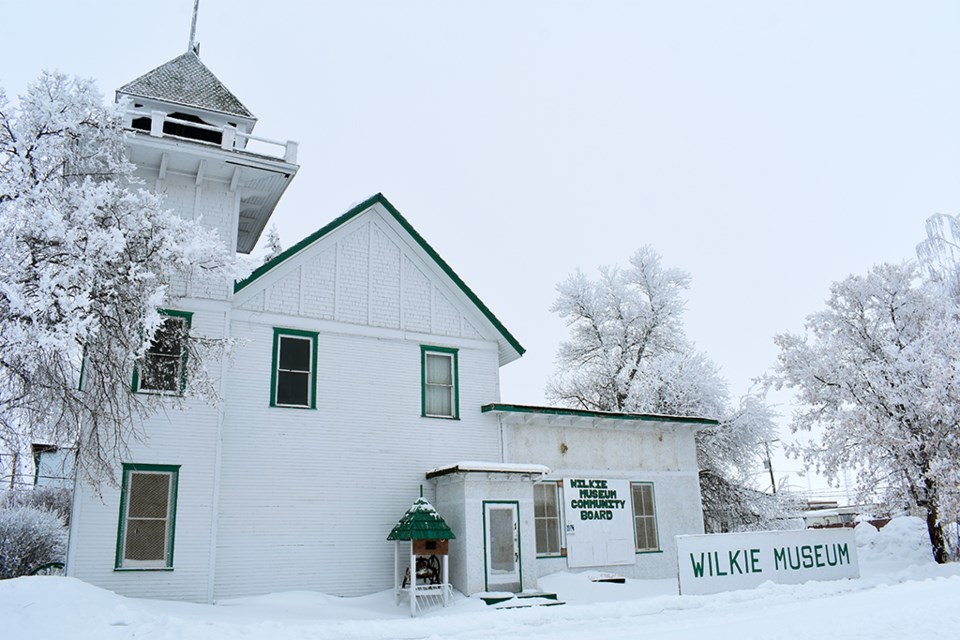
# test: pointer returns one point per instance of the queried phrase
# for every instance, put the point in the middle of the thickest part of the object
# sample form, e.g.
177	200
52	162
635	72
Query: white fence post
156	123
228	142
290	154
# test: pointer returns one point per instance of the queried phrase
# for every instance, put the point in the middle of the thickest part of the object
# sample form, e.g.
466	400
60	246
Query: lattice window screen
148	503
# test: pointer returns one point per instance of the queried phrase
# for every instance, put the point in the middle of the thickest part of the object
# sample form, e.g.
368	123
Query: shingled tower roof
186	81
421	522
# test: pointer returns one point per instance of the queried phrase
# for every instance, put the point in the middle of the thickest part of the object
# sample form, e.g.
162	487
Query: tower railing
231	139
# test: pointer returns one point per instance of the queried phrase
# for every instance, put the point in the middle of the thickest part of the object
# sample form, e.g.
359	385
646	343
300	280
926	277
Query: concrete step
528	601
503	600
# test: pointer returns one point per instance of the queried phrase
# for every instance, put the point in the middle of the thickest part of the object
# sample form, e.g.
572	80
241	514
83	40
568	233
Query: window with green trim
440	397
644	517
163	368
294	369
148	509
546	516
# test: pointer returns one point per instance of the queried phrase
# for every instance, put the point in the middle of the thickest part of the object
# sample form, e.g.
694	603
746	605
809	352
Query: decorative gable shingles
319	285
384	280
416	298
469	331
446	318
366	277
257	302
353	278
285	295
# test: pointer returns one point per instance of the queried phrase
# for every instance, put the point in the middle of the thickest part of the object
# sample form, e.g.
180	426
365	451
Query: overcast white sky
768	148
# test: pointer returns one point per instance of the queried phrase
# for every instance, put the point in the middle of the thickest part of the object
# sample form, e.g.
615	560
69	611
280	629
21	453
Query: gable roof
380	199
421	522
186	81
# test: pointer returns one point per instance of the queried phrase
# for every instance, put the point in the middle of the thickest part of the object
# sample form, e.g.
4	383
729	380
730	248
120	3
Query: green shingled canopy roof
421	522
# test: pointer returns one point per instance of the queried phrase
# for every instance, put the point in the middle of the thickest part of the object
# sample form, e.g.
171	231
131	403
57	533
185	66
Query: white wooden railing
231	138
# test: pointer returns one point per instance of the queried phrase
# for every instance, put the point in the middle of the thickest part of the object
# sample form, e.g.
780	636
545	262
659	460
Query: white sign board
599	523
727	561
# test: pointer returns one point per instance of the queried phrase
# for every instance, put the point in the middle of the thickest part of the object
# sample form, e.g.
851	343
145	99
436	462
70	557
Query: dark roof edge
181	103
379	198
445	471
583	413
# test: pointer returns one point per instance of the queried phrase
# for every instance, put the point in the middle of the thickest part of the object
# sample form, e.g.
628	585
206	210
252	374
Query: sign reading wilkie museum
599	522
728	561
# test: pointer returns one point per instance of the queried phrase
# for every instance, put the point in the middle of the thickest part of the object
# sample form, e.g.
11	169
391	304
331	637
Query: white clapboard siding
662	453
185	437
309	496
305	498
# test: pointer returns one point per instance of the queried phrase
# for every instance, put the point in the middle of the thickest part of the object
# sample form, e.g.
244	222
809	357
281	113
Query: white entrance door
502	536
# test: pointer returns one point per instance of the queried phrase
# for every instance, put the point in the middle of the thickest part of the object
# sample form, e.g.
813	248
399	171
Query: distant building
828	514
53	466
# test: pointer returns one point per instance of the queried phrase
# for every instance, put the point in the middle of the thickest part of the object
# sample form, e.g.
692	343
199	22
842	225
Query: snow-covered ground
901	594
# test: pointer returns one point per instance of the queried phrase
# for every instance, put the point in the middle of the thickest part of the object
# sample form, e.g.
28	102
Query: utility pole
13	470
769	465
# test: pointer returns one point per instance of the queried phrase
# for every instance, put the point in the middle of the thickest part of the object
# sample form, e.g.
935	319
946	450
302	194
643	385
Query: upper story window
163	368
440	396
294	369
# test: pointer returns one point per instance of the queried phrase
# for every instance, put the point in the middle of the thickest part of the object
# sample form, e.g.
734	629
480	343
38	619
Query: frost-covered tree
939	254
875	376
85	259
29	538
274	248
628	352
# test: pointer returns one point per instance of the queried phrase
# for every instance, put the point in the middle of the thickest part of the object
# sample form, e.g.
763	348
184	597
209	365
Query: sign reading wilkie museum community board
599	522
728	561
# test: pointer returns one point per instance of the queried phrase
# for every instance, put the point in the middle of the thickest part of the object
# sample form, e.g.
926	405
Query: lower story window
546	514
148	509
644	517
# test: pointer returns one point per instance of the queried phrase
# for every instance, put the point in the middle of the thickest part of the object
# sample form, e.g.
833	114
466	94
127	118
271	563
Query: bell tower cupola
185	123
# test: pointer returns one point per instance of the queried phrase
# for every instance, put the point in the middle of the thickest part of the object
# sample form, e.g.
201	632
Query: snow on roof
594	415
488	467
421	522
186	81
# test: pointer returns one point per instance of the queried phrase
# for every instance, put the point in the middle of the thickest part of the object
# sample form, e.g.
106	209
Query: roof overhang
561	416
488	467
260	180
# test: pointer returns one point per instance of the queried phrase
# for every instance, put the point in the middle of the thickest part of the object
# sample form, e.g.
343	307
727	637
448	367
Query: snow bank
903	595
904	542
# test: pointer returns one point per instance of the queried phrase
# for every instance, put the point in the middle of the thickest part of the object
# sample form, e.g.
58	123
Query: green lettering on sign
843	553
735	561
697	566
779	556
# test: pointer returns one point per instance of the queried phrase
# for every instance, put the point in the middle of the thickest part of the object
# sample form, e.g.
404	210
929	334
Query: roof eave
249	117
601	415
510	348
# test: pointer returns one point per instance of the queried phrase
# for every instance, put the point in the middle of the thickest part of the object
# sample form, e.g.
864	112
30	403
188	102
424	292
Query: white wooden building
366	368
